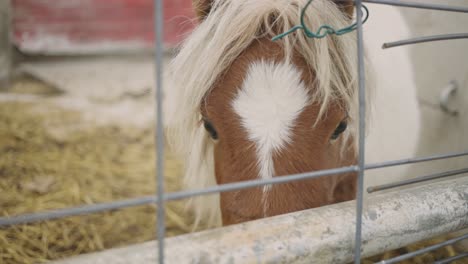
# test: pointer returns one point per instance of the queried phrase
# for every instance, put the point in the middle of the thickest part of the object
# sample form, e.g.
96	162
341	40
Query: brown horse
243	107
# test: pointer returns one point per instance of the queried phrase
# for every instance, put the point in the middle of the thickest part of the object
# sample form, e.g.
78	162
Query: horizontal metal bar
425	39
95	208
87	209
321	235
74	211
416	180
414	160
260	182
452	259
422	251
419	5
295	177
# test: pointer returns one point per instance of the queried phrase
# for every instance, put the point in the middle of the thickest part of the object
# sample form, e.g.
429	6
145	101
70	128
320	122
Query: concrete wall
436	64
5	47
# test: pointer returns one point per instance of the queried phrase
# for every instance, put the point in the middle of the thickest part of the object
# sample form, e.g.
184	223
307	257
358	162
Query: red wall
58	25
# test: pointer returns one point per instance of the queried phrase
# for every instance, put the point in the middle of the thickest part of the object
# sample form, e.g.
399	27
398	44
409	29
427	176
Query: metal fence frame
319	235
160	198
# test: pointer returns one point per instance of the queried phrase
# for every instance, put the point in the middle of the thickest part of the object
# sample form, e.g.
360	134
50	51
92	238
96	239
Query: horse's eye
339	129
210	128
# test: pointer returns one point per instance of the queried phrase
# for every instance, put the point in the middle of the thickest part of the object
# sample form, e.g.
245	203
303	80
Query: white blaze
269	101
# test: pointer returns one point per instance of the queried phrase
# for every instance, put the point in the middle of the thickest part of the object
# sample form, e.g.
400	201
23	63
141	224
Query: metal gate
201	248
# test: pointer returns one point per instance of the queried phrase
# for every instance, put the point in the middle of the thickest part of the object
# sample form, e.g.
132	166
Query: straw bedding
43	169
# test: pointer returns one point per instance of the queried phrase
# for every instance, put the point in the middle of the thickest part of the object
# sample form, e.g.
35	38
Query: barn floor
79	132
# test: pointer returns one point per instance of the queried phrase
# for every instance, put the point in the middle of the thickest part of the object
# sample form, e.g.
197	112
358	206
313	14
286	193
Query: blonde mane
229	28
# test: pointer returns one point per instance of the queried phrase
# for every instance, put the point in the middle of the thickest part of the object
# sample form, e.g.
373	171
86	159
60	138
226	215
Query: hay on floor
48	162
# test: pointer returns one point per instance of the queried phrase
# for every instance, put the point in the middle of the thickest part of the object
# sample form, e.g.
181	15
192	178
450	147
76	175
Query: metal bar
96	208
159	53
422	251
6	50
260	182
362	125
48	215
425	39
319	235
416	180
392	163
74	211
450	260
419	5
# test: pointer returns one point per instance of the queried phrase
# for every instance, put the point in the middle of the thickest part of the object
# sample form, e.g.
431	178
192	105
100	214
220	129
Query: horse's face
270	108
263	122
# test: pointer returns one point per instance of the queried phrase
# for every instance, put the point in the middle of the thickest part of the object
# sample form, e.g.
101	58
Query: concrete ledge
321	235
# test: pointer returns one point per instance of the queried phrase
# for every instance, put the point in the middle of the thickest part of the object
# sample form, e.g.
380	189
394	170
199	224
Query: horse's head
243	107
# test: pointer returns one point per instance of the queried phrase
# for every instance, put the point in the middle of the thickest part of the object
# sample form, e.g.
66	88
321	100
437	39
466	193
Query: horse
242	107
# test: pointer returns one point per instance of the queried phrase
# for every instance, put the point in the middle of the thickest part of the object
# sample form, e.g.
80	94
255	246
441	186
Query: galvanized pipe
429	177
410	4
424	250
425	39
5	42
452	259
101	207
362	134
392	163
159	129
322	235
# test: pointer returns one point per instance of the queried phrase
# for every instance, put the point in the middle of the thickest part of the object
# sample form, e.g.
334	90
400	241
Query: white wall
435	65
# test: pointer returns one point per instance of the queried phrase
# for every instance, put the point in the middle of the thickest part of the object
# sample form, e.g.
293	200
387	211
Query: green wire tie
327	29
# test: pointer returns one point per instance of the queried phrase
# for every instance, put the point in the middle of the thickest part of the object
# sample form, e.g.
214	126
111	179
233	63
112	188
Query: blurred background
77	117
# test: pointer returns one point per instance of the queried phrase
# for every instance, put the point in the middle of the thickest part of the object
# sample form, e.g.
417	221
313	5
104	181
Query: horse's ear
202	8
347	6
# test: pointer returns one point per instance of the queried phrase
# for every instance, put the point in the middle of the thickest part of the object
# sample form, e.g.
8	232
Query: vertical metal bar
158	25
5	43
362	125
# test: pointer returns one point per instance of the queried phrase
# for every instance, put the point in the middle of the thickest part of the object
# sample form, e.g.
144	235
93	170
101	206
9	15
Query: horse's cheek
218	157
